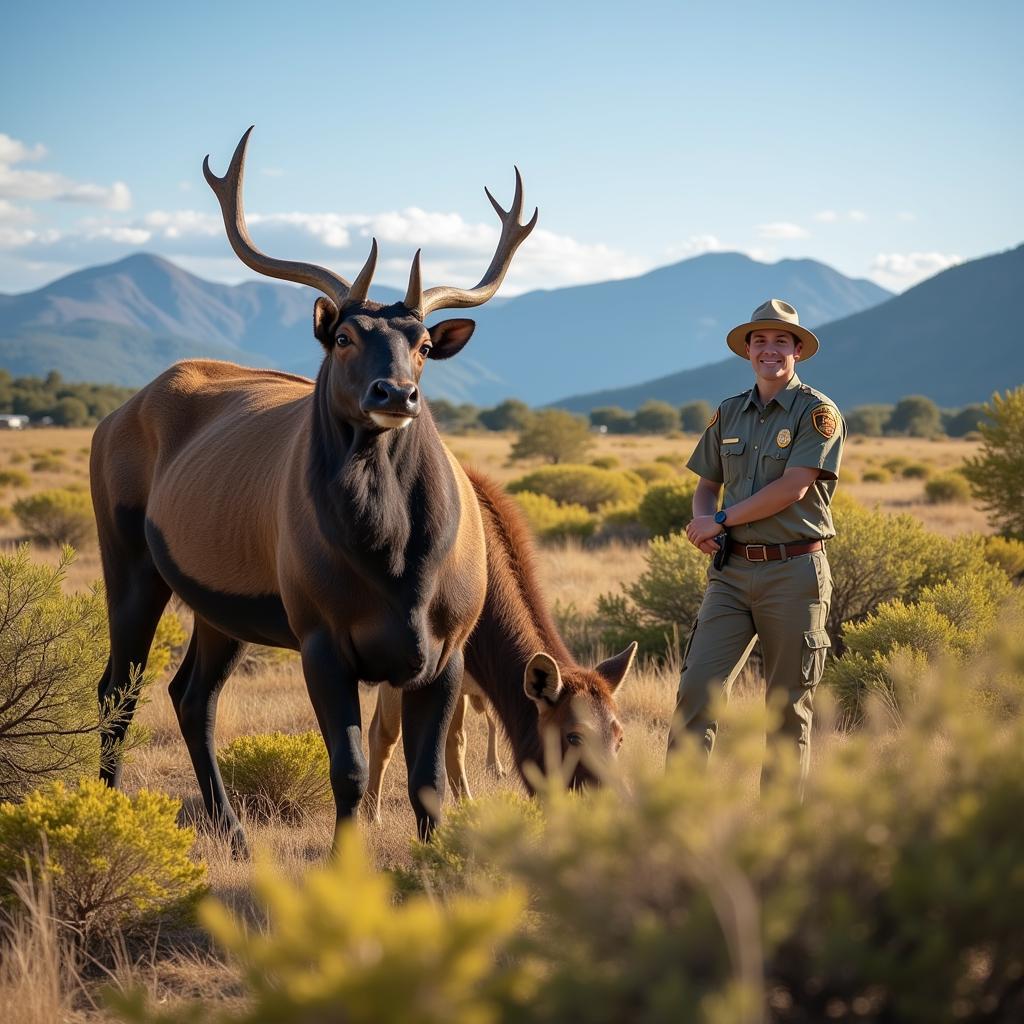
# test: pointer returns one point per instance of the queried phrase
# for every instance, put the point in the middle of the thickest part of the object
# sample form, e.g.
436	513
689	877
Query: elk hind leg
482	707
212	657
385	732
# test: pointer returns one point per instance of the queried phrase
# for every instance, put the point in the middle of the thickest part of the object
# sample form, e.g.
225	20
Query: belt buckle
764	552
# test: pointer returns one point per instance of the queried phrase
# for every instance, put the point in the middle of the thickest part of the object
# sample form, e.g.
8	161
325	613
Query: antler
513	234
229	194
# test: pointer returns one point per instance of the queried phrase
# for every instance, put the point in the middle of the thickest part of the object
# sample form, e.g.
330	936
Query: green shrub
552	521
656	417
588	486
285	775
17	458
6	515
947	488
59	516
875	476
896	464
620	520
112	862
13	478
654	472
53	649
338	948
662	604
1008	554
555	435
48	464
996	474
168	642
668	507
605	462
916	471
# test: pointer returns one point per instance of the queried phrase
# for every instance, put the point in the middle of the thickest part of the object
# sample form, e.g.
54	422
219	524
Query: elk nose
389	396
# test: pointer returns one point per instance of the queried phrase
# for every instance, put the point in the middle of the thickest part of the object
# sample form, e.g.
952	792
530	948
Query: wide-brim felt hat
774	315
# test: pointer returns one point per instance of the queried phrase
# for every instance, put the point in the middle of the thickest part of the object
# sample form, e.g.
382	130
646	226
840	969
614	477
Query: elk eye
574	739
425	350
343	341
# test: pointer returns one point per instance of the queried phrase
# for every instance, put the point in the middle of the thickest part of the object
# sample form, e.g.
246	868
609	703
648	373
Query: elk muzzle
391	403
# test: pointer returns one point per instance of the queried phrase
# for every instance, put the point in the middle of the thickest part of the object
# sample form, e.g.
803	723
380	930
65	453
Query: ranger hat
773	315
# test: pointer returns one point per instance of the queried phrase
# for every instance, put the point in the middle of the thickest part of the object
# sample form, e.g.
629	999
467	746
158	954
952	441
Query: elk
516	657
327	517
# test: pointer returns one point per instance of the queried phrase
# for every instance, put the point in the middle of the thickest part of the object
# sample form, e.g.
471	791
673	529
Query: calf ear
449	336
542	681
325	315
615	669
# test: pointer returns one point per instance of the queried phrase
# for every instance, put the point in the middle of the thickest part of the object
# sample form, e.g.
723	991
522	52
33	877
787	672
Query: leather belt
773	552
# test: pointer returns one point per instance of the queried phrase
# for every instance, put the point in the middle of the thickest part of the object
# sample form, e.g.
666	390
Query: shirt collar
785	397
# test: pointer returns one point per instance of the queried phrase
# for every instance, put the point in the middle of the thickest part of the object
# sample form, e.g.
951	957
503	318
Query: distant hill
955	338
126	321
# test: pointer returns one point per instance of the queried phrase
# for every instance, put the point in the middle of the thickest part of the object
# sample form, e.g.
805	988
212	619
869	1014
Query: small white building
9	421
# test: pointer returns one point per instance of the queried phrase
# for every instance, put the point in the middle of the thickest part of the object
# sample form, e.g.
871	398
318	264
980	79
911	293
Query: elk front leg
334	692
385	731
426	715
455	752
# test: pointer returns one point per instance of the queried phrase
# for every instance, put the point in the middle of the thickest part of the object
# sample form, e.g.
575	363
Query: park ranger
776	449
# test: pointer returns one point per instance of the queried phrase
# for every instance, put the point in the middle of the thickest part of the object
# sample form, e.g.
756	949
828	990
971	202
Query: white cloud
120	235
11	214
826	216
857	216
12	151
833	216
695	245
899	271
782	230
16	183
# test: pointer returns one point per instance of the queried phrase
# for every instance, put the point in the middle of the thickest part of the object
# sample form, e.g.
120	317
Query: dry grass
40	983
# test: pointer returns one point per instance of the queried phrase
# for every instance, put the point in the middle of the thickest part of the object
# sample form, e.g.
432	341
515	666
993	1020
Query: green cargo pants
785	604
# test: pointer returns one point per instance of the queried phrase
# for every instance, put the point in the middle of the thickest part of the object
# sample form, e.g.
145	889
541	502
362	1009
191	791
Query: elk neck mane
515	623
387	498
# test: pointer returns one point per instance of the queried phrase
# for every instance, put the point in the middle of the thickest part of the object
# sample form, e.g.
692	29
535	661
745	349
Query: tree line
55	400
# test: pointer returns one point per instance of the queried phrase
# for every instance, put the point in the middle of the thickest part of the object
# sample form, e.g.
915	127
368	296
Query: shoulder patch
713	420
825	420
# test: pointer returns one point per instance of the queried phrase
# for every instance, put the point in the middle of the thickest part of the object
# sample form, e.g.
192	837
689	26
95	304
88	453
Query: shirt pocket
773	464
733	464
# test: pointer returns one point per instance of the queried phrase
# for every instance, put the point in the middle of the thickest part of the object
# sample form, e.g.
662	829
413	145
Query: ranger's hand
702	528
709	547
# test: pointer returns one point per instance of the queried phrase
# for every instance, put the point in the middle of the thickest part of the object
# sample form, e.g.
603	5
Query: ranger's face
773	354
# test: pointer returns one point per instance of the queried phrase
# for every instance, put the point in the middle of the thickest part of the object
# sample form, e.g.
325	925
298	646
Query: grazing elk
517	658
323	516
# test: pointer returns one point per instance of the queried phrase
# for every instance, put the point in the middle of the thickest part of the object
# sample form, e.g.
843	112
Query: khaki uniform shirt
748	445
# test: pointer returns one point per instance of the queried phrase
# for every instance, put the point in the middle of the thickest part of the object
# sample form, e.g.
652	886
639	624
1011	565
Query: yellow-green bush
49	464
1008	554
620	520
896	464
668	507
58	516
551	520
283	775
662	604
53	649
168	641
916	471
605	462
111	861
339	949
6	515
13	478
875	476
17	458
948	488
653	472
588	486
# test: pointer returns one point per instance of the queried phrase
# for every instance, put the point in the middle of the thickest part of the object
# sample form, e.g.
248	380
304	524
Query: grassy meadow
269	695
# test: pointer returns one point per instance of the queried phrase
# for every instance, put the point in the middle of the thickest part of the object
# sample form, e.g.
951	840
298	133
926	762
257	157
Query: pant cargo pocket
816	647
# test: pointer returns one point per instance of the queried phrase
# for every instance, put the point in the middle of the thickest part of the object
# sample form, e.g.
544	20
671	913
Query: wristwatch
720	517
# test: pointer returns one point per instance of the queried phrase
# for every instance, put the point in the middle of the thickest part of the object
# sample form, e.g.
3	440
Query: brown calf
324	516
516	658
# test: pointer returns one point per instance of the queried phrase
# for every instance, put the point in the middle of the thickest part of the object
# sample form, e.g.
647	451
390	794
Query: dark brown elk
518	659
323	516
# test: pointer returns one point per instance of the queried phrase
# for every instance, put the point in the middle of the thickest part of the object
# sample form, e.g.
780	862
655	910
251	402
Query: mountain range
125	322
955	337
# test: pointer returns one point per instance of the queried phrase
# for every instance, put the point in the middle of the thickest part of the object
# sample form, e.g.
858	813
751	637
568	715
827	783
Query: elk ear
325	315
614	670
542	681
449	336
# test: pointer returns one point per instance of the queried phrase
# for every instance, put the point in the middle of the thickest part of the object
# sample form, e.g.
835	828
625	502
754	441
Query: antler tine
228	191
414	293
361	285
513	234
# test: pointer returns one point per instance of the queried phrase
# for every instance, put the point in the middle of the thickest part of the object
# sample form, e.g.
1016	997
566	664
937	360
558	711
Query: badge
784	438
824	420
714	420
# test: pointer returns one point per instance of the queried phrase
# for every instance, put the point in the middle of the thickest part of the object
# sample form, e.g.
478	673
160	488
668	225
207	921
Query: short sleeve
819	440
706	460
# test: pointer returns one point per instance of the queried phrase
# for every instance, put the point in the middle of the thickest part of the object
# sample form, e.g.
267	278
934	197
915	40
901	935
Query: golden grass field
274	697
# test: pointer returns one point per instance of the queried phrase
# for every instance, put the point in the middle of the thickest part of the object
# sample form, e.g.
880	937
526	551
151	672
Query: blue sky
883	139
